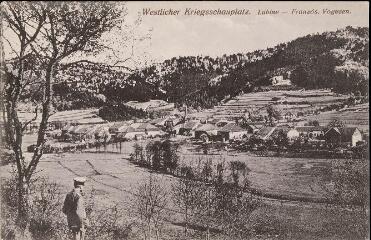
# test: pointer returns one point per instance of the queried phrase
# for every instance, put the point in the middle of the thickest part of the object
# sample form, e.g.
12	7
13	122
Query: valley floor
114	179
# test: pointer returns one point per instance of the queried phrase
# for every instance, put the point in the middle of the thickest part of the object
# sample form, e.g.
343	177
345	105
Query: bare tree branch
30	121
93	63
11	46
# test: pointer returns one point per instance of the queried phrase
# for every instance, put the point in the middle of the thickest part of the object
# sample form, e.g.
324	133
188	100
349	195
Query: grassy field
293	101
355	116
114	180
289	101
284	177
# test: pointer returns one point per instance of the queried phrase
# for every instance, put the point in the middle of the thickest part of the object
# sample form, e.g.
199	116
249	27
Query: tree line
312	60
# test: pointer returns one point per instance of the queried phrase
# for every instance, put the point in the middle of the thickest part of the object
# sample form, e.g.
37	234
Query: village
290	153
126	121
83	129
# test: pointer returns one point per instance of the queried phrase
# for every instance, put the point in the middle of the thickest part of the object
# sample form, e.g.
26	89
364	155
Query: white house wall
237	135
292	134
356	137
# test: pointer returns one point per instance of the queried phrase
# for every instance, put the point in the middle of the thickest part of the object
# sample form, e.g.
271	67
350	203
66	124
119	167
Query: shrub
47	222
44	210
149	203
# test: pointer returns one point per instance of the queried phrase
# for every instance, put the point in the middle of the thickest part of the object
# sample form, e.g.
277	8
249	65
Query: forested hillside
337	60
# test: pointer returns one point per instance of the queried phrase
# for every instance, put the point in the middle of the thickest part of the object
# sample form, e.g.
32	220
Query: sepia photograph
180	120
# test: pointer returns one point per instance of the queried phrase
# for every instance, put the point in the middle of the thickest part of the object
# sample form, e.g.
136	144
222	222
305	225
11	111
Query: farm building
188	128
348	135
150	130
265	132
280	81
206	131
131	133
118	127
232	131
79	132
162	122
284	129
140	130
313	132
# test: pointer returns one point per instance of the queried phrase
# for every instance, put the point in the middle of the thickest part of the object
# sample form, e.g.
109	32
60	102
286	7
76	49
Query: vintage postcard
184	120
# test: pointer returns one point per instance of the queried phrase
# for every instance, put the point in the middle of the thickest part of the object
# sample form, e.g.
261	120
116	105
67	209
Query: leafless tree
16	75
42	35
150	203
186	195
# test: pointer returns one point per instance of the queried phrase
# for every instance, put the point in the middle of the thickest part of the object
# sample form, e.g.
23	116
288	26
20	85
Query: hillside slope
337	60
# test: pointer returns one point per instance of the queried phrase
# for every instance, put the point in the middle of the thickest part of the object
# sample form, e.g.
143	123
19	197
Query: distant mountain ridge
338	60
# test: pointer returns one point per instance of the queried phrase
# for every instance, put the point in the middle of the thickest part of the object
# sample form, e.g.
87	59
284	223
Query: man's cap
80	180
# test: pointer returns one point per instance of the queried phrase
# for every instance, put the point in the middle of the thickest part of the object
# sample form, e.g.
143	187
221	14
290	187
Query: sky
185	35
147	39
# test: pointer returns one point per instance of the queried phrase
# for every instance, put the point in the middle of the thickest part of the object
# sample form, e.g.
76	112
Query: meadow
113	179
293	101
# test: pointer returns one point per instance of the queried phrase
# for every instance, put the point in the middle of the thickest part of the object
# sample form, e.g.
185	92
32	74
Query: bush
47	222
103	224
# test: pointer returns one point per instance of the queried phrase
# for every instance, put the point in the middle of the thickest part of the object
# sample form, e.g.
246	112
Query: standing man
74	208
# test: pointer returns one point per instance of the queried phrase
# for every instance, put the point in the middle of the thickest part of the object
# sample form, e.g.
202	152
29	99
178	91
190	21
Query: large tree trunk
14	132
25	172
46	106
22	202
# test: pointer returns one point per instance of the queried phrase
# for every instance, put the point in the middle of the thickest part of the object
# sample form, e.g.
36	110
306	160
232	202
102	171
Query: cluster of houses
206	130
106	132
346	136
226	130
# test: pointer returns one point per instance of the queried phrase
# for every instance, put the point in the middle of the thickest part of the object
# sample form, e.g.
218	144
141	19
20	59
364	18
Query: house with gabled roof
264	133
118	127
349	136
206	131
188	128
161	122
312	132
232	131
140	130
149	129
